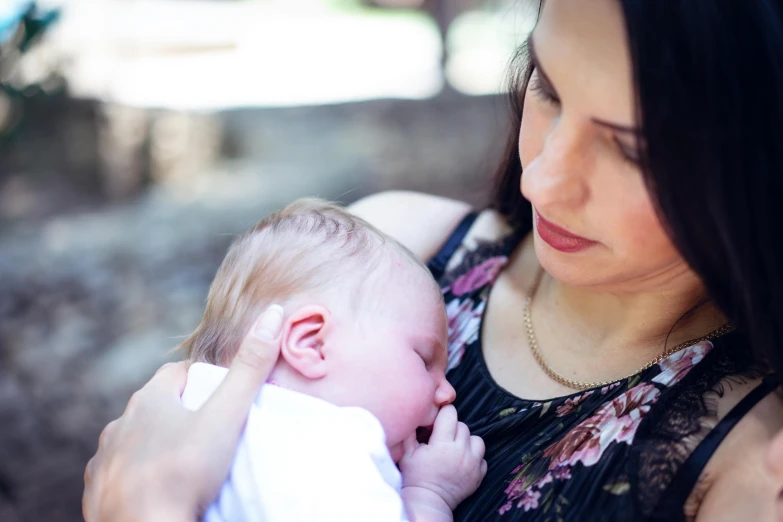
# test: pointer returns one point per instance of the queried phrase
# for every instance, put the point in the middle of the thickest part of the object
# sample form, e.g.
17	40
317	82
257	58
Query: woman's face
595	221
578	149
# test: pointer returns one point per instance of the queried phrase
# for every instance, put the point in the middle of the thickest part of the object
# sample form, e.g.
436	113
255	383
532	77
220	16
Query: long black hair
708	78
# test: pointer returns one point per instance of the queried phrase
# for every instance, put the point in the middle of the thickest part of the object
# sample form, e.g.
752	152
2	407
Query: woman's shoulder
423	222
736	482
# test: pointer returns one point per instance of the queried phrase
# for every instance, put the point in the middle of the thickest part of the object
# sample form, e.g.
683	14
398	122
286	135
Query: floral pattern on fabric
463	313
478	276
572	403
615	422
678	364
464	319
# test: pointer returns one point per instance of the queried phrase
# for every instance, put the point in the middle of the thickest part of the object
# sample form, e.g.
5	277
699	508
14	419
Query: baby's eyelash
426	361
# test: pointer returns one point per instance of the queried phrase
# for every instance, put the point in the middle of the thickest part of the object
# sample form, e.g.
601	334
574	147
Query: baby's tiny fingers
483	468
445	427
477	447
463	433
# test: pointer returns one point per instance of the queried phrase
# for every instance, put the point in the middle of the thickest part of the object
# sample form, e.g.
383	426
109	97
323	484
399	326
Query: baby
361	369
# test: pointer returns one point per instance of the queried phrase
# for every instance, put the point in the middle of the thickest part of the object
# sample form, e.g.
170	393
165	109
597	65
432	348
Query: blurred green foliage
20	31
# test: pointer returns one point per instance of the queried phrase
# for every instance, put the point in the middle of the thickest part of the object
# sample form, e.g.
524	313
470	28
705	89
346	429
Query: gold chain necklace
580	385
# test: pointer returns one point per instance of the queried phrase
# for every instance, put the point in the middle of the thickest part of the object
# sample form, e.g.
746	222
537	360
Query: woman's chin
570	268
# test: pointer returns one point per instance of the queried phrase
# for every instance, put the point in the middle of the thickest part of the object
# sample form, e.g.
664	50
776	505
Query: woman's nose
445	394
559	175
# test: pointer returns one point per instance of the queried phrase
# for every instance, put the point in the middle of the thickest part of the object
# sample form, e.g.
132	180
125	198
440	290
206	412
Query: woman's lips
559	238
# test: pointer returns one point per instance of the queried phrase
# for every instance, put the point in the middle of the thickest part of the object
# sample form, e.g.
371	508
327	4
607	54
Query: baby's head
364	321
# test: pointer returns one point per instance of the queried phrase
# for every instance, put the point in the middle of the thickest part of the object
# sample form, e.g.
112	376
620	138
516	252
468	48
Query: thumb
250	368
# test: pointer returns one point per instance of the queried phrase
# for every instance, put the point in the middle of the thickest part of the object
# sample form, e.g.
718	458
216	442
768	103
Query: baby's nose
445	393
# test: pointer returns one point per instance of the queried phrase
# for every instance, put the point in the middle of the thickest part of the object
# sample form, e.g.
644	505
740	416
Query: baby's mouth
423	434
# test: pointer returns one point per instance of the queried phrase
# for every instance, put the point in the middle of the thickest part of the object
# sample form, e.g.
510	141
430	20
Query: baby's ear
303	339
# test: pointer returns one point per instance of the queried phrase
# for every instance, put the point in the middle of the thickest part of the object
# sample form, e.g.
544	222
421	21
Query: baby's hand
451	465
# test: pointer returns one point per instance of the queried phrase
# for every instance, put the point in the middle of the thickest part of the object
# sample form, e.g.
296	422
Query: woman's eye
543	92
629	153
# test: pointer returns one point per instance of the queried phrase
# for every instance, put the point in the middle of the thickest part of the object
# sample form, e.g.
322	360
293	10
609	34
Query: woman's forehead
582	47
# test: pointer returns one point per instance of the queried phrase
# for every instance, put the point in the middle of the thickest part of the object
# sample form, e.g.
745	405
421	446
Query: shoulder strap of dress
672	501
437	264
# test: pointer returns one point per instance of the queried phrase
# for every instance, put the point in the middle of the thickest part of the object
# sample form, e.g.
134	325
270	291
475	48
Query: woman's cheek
640	225
629	217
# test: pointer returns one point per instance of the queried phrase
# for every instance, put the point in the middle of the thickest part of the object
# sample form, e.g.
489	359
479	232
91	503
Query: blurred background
137	137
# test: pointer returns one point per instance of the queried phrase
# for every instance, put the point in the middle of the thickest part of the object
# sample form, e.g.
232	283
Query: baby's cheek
419	411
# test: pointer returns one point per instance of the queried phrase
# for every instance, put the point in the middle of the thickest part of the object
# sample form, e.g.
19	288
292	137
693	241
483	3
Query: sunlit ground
207	55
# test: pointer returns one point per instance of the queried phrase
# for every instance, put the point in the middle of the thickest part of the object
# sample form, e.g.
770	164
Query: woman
615	318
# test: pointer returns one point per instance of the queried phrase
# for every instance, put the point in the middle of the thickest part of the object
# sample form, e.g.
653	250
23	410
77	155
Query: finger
477	447
89	471
251	367
170	379
445	427
463	434
167	366
483	468
410	444
87	497
86	506
107	434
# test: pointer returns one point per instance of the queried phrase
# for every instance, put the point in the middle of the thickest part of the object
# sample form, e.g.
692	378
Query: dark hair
709	86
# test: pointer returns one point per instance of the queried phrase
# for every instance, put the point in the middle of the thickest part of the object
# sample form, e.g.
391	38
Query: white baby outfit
302	459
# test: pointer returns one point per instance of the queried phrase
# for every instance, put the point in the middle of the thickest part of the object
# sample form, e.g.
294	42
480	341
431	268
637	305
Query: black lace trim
681	419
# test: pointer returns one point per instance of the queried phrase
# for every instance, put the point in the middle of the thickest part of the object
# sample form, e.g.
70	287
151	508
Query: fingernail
269	324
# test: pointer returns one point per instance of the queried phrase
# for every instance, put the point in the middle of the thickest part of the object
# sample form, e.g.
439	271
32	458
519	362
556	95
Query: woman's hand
162	462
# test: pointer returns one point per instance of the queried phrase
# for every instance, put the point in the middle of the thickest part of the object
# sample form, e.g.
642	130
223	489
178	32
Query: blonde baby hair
308	246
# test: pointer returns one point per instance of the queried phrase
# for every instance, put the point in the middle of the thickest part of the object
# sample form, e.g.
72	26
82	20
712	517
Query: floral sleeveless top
632	450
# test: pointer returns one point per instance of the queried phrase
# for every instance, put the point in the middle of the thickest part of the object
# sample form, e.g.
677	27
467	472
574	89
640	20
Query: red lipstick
560	238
